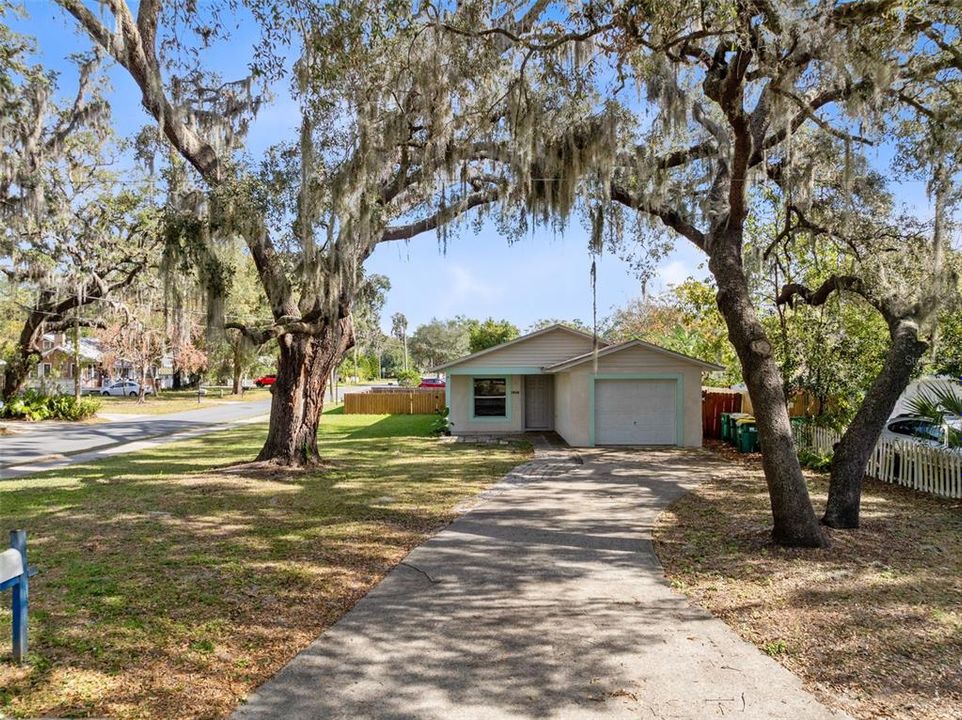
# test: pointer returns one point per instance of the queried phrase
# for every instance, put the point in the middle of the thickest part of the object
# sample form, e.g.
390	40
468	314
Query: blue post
18	541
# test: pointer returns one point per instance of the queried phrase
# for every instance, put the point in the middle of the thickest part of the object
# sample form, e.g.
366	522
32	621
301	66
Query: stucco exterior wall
460	391
562	405
574	388
576	427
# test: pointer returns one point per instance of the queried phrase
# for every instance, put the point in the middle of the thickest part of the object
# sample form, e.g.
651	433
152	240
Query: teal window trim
496	371
679	379
506	418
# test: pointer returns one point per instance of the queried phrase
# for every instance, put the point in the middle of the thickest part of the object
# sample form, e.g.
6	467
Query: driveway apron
546	600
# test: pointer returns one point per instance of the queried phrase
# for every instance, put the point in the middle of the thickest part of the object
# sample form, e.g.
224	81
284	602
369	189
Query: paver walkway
545	601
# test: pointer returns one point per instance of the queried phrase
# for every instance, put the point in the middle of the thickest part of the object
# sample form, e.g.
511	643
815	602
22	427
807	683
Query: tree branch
257	336
432	222
834	284
69	323
669	216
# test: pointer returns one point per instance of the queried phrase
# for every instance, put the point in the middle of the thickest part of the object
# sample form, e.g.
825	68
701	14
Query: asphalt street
46	445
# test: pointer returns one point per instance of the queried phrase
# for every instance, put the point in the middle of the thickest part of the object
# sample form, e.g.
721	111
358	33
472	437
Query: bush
67	407
408	378
814	460
35	405
439	426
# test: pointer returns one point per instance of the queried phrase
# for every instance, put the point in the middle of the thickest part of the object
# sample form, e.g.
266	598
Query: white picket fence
820	439
928	469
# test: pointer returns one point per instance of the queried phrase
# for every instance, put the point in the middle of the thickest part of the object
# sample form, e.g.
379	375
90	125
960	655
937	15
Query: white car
919	429
125	387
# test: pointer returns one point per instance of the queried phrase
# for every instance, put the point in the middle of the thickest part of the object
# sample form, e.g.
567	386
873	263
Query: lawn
171	401
873	625
171	585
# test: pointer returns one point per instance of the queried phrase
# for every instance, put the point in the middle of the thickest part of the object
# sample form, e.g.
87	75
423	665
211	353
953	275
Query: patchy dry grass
171	401
171	586
873	624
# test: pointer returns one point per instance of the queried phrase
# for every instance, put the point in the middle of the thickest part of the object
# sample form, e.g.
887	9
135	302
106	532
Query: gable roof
520	339
612	349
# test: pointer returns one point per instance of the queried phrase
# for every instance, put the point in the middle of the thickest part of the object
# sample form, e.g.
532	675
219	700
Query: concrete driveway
544	601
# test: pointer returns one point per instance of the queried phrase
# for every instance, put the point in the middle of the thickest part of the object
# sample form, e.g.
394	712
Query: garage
636	412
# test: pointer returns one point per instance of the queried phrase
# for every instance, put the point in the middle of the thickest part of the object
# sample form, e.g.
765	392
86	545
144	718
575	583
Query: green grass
171	401
171	584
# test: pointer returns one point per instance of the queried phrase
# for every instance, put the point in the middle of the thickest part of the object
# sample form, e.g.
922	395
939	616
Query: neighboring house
633	393
57	360
164	372
57	365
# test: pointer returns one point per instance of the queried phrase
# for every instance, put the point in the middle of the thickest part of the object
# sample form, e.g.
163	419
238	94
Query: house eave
613	349
481	353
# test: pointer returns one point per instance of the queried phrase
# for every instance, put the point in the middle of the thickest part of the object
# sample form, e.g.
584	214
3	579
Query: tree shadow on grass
169	586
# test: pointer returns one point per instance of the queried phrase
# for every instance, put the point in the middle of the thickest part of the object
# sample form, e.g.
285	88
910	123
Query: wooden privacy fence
713	404
393	403
400	389
928	469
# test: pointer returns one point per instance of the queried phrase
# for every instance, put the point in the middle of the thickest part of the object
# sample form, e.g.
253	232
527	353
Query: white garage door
635	412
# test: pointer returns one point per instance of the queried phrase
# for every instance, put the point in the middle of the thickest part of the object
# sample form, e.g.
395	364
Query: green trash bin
746	435
730	436
725	425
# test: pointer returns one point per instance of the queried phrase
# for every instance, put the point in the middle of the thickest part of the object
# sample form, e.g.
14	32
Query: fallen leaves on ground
873	624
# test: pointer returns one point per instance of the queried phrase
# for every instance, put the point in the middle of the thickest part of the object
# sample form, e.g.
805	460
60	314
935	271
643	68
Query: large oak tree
70	235
387	151
689	109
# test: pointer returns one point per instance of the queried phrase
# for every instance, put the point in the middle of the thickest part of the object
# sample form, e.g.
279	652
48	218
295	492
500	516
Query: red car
265	381
431	383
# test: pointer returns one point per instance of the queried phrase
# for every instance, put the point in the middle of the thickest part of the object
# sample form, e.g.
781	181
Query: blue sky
479	275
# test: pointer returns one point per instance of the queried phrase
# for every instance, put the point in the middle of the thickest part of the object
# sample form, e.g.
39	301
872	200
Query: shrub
408	378
814	460
439	426
36	406
67	407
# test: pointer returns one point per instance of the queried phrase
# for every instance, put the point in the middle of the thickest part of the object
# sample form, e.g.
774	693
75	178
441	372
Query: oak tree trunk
795	522
303	369
852	453
22	361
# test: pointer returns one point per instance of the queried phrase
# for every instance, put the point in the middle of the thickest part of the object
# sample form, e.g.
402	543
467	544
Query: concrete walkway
545	601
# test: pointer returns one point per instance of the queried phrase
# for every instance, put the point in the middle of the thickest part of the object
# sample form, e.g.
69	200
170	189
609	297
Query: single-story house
632	393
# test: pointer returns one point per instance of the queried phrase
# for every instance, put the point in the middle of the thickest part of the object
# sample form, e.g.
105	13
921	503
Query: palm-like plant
927	406
935	404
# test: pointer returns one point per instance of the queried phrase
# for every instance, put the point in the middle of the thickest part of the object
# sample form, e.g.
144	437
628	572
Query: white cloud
464	291
674	273
465	285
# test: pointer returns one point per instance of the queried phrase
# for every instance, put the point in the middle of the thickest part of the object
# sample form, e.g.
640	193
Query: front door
539	402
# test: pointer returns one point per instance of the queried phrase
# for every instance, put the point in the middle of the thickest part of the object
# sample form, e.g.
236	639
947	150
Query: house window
491	397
